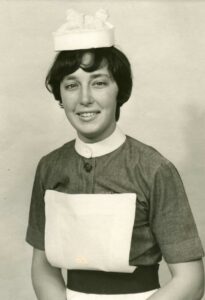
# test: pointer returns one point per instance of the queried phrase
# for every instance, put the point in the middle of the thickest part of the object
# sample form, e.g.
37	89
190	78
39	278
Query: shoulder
145	153
57	156
147	160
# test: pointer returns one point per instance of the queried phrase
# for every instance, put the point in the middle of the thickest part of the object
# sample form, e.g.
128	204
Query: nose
86	97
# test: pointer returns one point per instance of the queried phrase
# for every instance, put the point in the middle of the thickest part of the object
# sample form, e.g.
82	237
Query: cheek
69	107
111	100
68	102
114	93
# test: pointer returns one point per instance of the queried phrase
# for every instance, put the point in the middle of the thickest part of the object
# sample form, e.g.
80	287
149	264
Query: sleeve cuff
184	251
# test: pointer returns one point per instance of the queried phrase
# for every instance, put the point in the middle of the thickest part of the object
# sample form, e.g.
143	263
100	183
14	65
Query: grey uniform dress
108	212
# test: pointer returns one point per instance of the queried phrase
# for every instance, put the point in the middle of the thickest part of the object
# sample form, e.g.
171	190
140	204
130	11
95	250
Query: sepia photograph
102	149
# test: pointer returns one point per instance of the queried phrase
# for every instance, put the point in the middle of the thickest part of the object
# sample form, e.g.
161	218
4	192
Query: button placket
88	174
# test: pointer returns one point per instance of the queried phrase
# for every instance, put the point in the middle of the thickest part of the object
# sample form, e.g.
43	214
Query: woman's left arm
187	282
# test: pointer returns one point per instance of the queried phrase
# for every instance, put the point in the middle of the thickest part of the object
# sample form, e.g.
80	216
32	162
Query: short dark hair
67	62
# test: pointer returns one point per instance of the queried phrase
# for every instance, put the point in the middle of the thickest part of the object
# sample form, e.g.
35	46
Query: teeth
87	114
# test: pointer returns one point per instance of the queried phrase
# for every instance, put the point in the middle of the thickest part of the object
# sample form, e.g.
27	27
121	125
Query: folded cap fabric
83	31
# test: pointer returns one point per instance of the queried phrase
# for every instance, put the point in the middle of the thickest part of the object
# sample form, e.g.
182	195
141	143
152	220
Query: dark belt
143	279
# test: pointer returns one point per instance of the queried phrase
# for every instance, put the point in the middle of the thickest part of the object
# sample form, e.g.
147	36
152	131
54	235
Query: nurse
105	206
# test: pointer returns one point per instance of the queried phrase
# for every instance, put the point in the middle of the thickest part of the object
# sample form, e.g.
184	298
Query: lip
87	115
87	112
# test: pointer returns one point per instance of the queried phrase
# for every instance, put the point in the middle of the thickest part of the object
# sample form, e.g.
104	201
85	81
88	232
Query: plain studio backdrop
165	42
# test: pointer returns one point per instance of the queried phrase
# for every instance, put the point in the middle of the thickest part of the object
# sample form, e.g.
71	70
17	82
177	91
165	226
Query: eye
100	83
71	86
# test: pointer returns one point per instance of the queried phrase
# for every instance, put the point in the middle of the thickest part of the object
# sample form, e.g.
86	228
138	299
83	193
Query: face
89	100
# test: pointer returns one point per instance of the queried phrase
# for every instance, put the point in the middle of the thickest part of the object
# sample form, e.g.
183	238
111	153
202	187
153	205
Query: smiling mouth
88	116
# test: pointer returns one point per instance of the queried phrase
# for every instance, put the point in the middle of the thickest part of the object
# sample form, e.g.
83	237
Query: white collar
111	143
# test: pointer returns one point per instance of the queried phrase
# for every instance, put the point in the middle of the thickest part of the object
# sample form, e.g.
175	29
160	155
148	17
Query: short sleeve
36	223
171	218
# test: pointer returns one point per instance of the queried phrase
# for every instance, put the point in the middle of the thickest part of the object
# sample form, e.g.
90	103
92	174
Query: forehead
82	74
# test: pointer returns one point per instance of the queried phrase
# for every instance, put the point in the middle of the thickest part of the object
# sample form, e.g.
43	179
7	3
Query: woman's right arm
47	280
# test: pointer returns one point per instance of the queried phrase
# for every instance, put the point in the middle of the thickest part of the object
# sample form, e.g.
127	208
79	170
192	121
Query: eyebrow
93	76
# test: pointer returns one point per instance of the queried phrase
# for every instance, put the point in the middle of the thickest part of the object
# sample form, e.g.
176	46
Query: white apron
89	231
72	295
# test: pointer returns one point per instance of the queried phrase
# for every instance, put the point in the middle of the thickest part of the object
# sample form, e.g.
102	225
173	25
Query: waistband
143	279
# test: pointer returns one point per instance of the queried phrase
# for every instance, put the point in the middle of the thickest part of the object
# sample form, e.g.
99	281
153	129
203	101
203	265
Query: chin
90	135
94	132
89	130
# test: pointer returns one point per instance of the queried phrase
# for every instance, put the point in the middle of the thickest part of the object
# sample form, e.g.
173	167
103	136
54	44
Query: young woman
105	206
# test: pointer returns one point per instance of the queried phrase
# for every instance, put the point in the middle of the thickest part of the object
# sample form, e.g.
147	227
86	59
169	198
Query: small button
88	167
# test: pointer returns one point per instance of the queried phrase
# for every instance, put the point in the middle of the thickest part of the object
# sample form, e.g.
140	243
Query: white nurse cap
84	31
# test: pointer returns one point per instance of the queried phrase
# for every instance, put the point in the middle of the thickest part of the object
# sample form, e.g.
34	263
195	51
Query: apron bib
89	231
